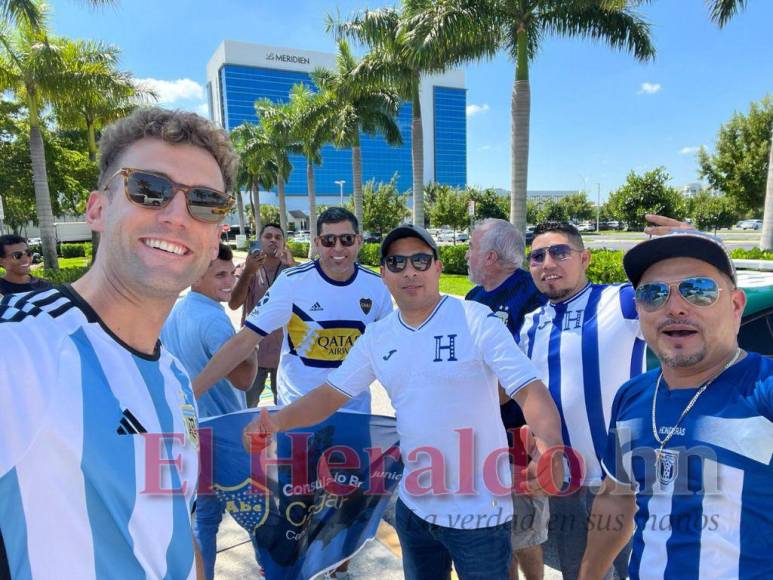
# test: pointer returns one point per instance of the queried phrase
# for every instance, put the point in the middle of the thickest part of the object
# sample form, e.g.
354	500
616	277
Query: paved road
625	240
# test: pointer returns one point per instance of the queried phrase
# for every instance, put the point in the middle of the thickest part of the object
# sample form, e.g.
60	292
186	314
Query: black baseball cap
408	231
677	244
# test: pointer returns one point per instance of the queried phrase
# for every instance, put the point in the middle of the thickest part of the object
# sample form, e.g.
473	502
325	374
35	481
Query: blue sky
596	114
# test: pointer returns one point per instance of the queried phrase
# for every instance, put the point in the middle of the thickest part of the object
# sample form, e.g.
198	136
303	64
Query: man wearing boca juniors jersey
324	306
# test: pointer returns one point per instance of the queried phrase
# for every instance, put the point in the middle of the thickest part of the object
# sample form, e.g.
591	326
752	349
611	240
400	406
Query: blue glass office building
240	73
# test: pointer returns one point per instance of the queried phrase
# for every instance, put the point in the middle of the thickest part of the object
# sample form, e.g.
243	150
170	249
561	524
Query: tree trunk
255	200
280	191
42	194
357	182
519	152
240	210
766	239
92	150
417	155
312	203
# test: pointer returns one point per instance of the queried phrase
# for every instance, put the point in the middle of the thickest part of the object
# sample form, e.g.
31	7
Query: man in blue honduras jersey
440	359
99	452
690	444
494	263
585	342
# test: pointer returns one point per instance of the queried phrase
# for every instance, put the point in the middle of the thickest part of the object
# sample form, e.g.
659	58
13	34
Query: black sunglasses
698	291
156	190
18	255
329	240
420	262
558	252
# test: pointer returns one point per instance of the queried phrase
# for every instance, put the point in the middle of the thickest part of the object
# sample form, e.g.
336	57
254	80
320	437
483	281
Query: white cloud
649	88
485	147
172	91
475	109
689	150
202	109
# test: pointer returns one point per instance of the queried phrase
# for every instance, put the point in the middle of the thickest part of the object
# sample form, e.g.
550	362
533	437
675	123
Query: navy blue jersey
511	301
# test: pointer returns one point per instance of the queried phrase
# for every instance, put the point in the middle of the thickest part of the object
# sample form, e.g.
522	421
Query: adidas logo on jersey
316	307
129	424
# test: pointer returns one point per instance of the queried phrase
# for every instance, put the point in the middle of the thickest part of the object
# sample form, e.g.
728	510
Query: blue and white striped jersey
585	348
706	511
88	486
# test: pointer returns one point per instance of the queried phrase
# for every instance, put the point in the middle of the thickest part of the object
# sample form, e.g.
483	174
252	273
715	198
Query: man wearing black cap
690	444
440	359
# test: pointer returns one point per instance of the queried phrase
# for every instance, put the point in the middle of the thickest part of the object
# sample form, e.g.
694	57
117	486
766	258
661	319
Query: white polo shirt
442	380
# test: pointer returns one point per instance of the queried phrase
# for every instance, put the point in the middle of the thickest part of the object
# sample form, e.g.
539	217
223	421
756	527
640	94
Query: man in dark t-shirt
494	258
16	258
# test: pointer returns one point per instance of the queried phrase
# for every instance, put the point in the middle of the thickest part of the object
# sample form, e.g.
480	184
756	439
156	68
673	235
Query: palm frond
721	11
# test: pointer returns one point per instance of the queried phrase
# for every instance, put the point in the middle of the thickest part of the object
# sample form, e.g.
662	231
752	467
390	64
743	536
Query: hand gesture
286	257
663	225
544	475
257	435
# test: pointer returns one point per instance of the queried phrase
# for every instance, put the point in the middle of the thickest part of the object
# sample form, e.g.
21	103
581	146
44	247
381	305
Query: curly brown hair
171	127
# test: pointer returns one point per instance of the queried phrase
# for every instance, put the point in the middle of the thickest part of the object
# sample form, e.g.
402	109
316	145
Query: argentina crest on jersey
666	466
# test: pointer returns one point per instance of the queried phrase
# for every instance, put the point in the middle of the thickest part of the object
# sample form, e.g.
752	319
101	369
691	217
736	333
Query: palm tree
32	68
256	165
29	10
479	28
103	93
277	125
395	60
313	120
359	108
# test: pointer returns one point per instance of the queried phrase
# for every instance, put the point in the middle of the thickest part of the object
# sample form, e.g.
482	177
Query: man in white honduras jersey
585	343
690	445
440	359
99	453
324	306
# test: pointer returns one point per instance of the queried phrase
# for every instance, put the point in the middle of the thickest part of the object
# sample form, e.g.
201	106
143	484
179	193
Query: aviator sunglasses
698	291
420	262
329	240
155	191
18	255
558	252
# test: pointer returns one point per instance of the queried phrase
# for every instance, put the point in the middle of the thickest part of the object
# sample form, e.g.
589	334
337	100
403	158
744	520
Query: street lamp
340	183
598	206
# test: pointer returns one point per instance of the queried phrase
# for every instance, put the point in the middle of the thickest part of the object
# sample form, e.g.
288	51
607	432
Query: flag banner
314	497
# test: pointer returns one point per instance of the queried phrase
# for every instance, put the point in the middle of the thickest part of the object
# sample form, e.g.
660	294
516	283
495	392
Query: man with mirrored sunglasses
324	306
440	359
585	342
16	259
98	421
688	457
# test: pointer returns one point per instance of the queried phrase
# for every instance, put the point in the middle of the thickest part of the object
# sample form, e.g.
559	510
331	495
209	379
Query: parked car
370	238
462	237
586	227
749	225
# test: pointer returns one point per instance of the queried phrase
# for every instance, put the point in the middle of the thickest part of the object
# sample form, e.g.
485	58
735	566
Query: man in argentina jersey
324	306
690	447
585	343
99	452
494	262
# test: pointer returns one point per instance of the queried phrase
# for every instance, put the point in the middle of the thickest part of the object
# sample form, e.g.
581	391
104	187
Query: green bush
299	249
453	258
753	254
62	276
75	250
606	267
370	254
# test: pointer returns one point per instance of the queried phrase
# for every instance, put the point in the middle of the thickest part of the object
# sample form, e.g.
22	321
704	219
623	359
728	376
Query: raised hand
663	225
258	434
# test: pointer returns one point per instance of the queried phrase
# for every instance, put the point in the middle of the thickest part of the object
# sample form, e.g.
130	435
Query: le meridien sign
273	56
